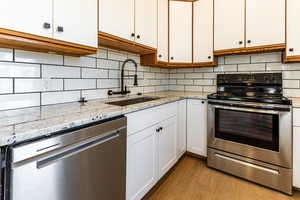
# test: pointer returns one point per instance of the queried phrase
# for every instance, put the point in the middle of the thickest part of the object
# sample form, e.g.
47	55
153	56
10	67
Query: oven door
260	134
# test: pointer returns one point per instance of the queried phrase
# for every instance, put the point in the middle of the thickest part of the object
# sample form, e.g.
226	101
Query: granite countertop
29	123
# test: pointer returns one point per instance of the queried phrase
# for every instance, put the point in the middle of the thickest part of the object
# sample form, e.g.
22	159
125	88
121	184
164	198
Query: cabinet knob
157	130
248	41
60	29
159	55
132	34
291	49
202	102
46	25
240	42
209	57
160	128
172	58
138	36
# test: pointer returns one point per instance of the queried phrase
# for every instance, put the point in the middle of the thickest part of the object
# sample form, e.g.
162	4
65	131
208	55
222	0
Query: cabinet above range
50	26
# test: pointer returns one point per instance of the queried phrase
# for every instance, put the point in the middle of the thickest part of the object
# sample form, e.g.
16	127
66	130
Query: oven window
255	129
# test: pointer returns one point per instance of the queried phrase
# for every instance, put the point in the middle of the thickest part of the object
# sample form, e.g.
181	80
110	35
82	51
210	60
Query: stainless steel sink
132	101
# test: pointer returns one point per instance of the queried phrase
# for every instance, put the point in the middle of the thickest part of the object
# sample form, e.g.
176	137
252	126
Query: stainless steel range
250	129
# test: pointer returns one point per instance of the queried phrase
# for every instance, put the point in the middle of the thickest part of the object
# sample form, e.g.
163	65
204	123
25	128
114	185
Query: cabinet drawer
142	119
296	117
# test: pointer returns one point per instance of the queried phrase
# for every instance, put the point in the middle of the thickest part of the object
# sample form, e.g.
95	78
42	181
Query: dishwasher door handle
77	148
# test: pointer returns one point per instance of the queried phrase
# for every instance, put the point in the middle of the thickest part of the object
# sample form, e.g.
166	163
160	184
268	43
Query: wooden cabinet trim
114	42
29	42
258	49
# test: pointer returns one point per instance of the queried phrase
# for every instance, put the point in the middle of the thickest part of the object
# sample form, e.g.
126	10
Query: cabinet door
27	16
265	22
163	30
181	128
293	28
141	163
181	31
78	20
229	24
167	145
296	157
197	127
203	31
116	17
146	22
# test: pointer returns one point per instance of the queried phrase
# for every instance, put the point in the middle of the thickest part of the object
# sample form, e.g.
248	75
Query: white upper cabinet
180	35
30	16
197	127
116	17
229	24
203	31
265	22
293	28
163	30
146	22
76	21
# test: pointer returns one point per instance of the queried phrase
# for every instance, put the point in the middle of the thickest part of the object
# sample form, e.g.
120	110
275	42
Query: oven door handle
249	110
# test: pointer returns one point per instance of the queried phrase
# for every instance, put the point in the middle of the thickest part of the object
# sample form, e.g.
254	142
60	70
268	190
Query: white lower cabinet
167	145
151	148
197	127
181	128
141	163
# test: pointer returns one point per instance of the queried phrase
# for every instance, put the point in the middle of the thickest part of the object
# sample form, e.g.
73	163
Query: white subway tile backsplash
114	74
19	70
209	88
6	86
291	84
203	82
149	89
291	92
210	75
204	69
237	59
94	94
193	75
19	101
195	88
155	69
80	61
94	73
116	55
176	87
251	67
6	54
154	82
107	64
291	75
135	57
77	84
60	97
275	66
221	60
177	76
38	85
35	57
101	53
183	70
266	57
226	68
185	82
107	83
149	75
51	71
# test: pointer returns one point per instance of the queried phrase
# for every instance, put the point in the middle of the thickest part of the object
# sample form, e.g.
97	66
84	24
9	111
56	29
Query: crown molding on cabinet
29	42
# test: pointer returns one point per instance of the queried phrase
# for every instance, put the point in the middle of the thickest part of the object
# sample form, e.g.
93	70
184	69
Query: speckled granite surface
29	123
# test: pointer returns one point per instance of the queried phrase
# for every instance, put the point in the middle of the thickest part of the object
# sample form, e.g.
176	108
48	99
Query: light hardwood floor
192	180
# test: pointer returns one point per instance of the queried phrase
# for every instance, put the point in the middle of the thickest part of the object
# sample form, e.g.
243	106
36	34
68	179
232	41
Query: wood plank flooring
192	180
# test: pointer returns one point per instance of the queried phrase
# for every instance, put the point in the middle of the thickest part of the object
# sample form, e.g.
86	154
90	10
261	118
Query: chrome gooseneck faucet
124	88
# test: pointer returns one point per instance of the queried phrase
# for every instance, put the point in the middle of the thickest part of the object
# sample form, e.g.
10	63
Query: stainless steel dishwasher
85	164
